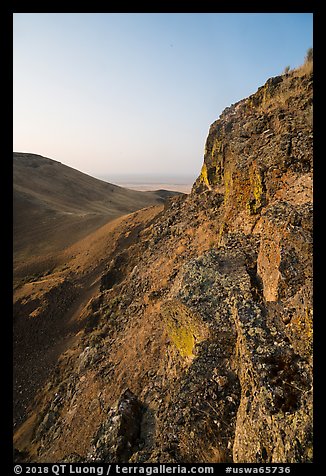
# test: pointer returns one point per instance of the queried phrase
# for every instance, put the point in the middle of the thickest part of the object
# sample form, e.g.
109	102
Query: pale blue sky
136	93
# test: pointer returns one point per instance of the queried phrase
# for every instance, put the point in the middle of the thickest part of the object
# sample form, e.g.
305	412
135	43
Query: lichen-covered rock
259	154
184	327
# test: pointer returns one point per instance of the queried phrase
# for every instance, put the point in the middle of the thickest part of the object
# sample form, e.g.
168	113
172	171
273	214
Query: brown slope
56	205
49	311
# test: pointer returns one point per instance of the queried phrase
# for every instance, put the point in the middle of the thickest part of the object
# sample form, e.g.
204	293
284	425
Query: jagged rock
117	437
89	356
47	422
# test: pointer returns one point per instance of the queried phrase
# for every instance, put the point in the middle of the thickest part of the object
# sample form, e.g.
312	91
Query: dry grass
200	450
305	68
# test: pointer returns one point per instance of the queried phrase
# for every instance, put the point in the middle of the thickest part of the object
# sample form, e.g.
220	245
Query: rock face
117	437
212	329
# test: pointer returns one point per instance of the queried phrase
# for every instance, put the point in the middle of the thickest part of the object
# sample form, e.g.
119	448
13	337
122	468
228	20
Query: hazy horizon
150	178
136	93
150	182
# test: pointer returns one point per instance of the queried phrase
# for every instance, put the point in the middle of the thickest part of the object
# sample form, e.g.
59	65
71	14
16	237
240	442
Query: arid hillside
183	332
48	309
55	206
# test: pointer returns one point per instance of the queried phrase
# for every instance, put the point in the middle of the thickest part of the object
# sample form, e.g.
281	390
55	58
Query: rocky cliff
197	346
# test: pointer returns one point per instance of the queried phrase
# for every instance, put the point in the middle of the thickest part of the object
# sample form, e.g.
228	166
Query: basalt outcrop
201	351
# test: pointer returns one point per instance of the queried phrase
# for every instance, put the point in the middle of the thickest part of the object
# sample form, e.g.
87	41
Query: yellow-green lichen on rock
212	169
227	184
256	200
265	94
203	175
216	162
217	149
302	325
183	326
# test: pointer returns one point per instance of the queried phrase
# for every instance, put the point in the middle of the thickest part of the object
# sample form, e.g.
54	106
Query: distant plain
151	182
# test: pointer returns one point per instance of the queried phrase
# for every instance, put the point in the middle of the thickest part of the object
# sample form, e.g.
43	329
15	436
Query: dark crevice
256	283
